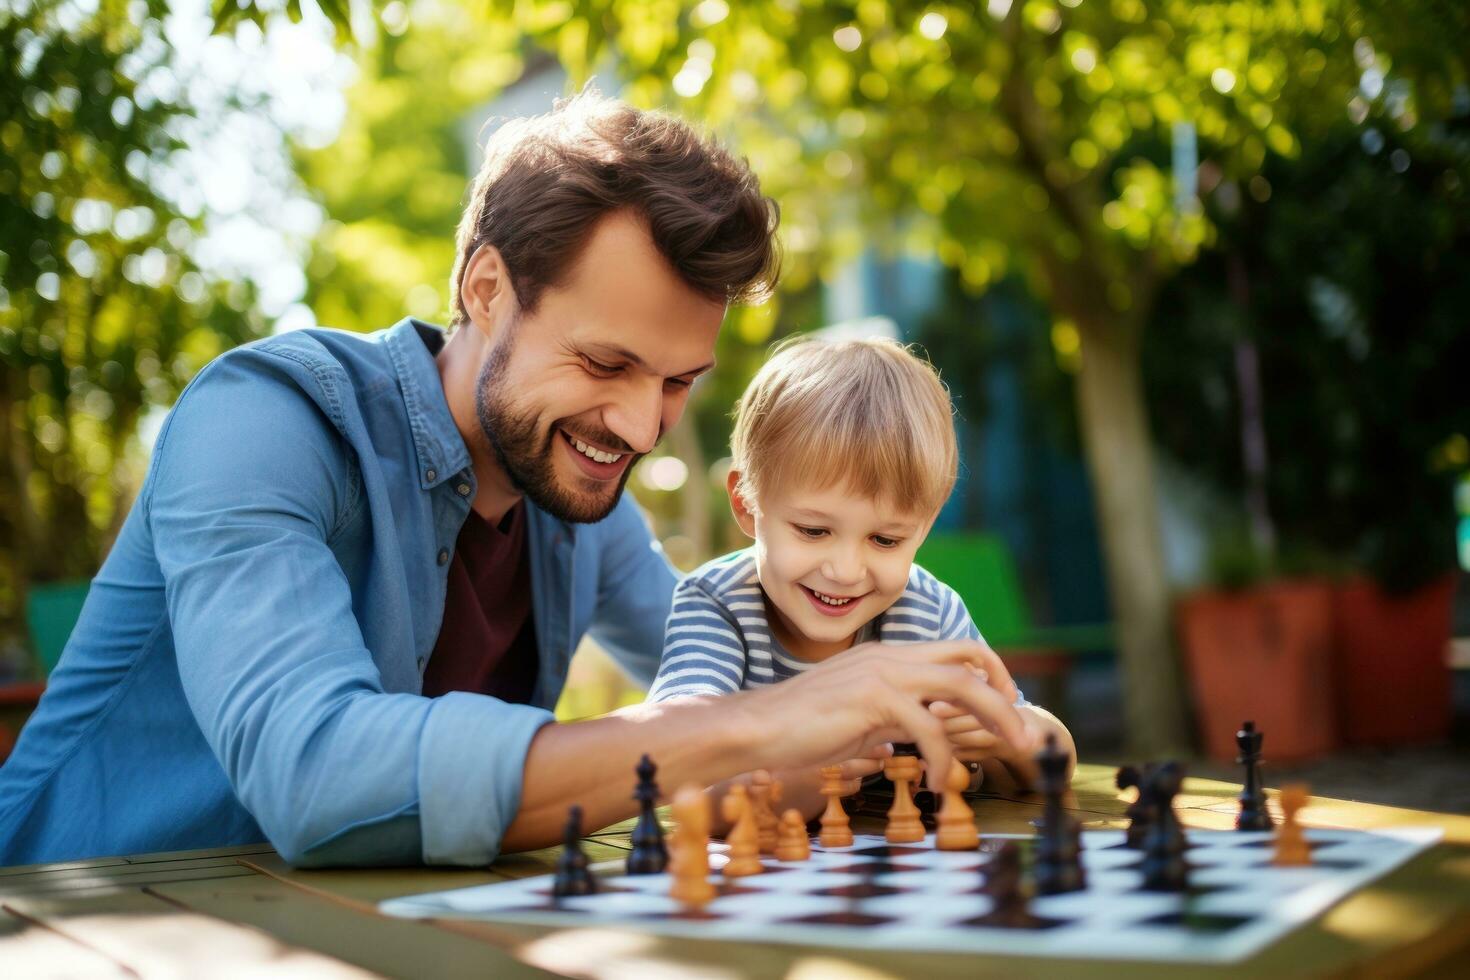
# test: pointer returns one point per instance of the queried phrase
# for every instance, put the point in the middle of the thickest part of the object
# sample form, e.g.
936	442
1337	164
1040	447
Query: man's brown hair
548	179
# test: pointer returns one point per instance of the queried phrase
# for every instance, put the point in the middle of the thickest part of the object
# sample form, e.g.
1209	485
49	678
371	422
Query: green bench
979	567
51	612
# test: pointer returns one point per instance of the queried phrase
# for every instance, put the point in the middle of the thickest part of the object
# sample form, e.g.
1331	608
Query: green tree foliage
1345	269
102	311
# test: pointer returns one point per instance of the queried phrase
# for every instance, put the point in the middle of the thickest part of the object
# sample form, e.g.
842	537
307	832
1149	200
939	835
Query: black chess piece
1164	868
572	874
1002	873
1253	814
1058	854
1139	810
1010	908
650	855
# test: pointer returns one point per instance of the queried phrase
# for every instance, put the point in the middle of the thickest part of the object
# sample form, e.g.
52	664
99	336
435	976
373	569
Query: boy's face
829	561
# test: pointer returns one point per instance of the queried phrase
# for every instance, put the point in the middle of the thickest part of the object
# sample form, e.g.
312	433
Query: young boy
843	453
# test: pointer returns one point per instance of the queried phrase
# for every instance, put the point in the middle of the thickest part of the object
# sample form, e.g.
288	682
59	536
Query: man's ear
486	292
744	516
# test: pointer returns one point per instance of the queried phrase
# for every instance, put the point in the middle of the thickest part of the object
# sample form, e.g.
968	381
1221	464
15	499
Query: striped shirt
718	640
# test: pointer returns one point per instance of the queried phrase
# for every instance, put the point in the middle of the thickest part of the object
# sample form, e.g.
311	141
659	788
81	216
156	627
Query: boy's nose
843	568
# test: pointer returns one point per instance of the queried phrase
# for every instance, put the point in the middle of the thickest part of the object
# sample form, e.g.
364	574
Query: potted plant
1258	645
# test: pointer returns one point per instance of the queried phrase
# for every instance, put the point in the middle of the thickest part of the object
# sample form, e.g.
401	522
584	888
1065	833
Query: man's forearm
590	763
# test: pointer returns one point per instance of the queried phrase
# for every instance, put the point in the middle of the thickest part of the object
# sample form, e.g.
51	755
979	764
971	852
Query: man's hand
848	708
877	693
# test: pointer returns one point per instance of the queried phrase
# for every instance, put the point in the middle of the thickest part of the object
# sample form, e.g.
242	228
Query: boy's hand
973	742
875	693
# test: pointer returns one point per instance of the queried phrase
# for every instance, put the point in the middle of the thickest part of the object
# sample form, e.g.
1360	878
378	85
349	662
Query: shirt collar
413	345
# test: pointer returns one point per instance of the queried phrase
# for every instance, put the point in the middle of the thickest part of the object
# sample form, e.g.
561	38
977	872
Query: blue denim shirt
249	661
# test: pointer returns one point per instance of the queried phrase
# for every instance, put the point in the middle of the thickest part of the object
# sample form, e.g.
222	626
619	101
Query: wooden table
194	913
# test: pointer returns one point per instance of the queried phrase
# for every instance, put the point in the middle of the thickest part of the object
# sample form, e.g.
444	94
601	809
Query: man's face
573	394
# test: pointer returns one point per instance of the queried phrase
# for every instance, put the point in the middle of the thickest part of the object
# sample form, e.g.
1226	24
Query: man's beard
525	453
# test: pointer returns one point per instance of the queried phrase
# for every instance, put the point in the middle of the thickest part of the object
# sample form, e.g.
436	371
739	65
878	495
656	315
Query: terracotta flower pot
1393	683
1263	654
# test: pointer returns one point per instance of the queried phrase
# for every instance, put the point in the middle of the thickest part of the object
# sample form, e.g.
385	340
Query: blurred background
1196	273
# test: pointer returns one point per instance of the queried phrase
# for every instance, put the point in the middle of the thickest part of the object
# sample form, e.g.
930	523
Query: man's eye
597	368
679	382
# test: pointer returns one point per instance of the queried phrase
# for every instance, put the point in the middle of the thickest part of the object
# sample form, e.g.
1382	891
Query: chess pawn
765	791
573	877
904	825
792	842
744	839
1291	843
836	829
689	860
956	821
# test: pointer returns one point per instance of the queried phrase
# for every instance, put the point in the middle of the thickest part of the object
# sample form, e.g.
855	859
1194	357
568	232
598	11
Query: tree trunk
1115	435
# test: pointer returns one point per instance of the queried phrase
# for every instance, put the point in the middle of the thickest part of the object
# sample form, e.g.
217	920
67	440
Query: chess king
342	606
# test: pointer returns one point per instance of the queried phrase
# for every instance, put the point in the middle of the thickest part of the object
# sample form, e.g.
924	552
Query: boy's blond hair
869	415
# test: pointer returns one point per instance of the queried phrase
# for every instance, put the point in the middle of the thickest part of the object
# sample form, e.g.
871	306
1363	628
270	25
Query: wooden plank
25	869
88	886
373	885
31	949
347	931
144	935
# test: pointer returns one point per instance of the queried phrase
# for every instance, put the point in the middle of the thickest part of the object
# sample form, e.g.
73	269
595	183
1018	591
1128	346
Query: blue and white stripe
718	641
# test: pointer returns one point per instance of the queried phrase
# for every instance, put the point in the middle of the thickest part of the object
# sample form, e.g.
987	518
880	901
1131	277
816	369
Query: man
345	599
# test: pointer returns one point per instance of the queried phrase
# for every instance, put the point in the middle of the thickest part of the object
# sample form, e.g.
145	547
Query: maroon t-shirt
487	643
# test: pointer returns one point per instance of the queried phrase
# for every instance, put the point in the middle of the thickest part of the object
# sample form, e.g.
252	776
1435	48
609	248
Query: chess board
876	895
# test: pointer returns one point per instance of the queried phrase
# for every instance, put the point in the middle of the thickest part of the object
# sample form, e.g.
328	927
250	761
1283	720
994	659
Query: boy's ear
738	506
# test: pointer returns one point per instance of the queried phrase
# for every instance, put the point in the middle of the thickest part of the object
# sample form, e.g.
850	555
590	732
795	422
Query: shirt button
443	556
430	475
421	663
463	489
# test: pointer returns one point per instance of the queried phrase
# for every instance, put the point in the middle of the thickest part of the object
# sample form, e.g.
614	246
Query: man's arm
250	482
841	709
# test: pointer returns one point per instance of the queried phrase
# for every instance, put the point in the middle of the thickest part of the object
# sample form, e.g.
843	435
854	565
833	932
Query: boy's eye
810	532
884	542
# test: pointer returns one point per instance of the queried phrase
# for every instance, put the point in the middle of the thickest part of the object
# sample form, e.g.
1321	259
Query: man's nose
637	417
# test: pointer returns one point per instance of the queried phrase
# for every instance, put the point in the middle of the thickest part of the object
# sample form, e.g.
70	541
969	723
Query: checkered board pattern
911	897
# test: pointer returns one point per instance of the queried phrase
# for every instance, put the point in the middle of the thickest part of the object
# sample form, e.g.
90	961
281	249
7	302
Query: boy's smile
829	562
